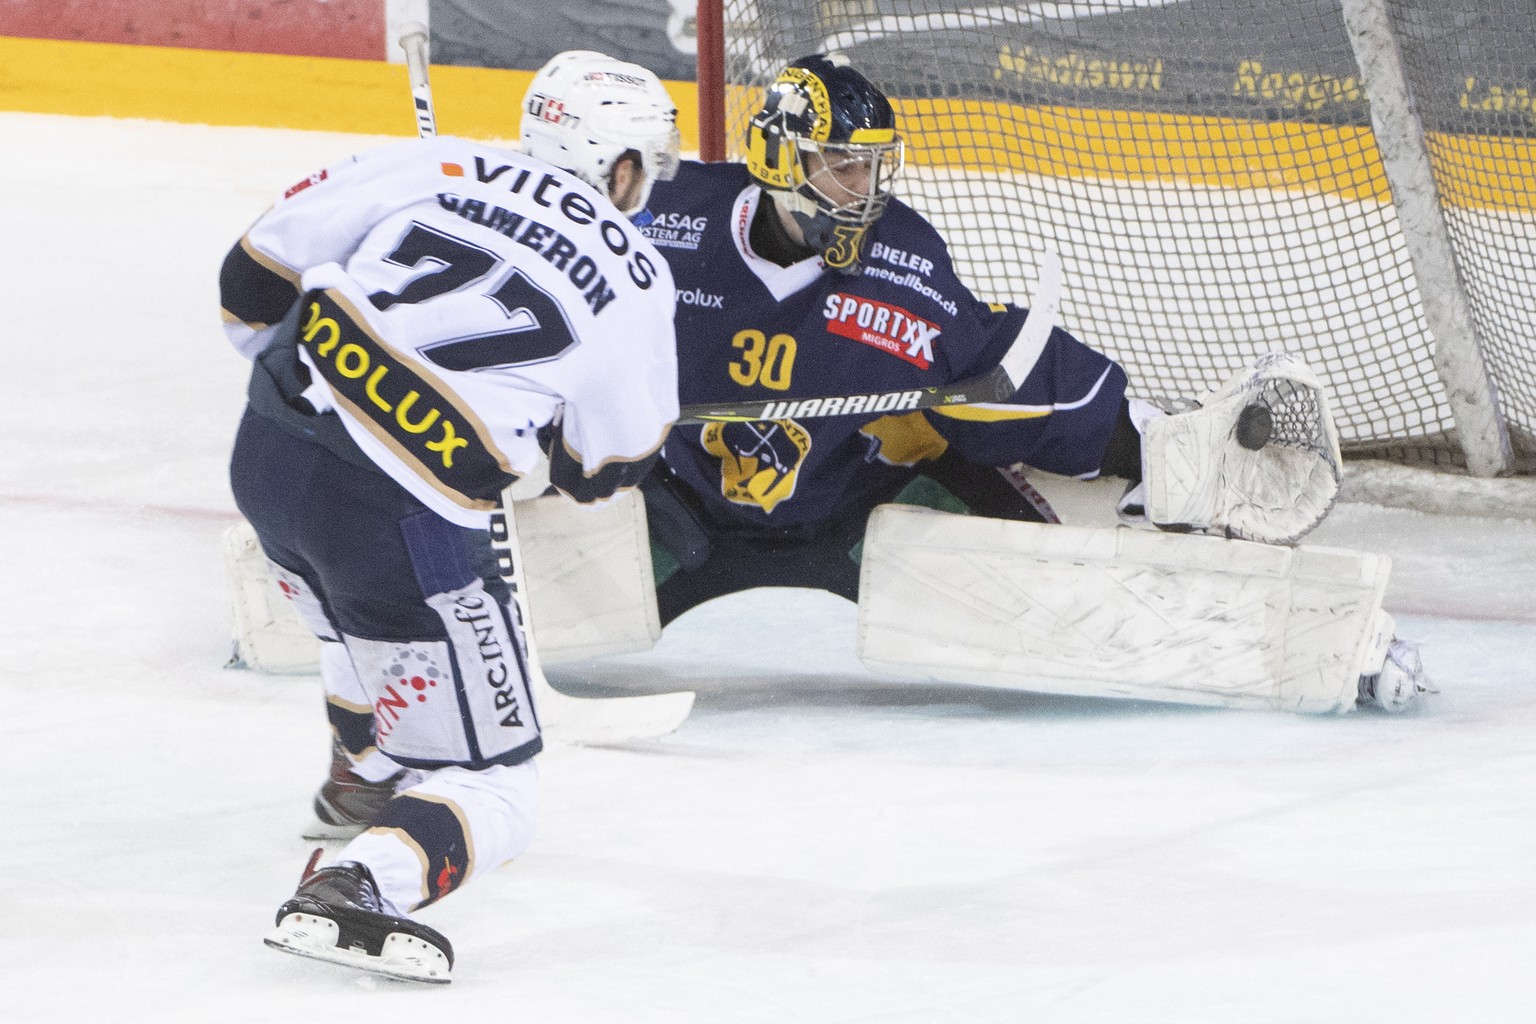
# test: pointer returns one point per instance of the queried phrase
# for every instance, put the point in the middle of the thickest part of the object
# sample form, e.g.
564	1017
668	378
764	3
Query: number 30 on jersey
764	360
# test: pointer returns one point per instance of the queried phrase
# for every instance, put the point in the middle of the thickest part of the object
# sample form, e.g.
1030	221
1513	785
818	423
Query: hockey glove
1258	460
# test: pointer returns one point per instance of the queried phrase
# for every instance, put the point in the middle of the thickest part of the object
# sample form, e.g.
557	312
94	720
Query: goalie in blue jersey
800	275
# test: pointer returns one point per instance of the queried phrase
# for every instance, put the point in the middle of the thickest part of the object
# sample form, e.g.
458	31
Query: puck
1255	426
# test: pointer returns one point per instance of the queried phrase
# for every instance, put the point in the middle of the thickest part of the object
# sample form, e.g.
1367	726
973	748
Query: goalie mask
584	111
825	146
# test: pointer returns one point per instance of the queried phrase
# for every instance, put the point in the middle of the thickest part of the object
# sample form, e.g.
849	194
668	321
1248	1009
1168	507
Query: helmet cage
850	182
826	134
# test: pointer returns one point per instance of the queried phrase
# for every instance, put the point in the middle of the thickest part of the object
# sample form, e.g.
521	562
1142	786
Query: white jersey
457	300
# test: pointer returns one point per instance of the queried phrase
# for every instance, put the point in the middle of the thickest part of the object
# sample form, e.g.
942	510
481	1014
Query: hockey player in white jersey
428	322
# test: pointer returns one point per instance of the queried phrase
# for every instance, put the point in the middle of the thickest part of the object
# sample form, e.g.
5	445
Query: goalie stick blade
589	720
1044	307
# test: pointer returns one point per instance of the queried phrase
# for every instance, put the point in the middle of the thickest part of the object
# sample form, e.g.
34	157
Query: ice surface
815	845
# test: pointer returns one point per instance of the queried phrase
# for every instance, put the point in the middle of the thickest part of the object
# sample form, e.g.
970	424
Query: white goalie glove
1258	460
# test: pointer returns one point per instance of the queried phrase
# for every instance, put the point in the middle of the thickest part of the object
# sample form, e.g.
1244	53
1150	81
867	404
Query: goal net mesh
1207	171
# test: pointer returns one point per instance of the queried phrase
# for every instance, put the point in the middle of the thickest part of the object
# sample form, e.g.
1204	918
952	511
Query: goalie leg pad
591	591
1117	613
270	630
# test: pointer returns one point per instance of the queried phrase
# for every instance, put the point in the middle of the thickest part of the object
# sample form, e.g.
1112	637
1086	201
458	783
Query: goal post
1224	177
709	32
1458	349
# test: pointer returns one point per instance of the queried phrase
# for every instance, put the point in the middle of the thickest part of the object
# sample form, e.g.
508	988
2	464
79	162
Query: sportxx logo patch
880	325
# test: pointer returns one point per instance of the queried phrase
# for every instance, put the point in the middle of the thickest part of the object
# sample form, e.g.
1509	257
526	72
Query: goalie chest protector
748	329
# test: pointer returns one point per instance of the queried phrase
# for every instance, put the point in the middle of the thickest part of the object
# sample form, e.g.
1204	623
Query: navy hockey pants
345	530
403	587
697	560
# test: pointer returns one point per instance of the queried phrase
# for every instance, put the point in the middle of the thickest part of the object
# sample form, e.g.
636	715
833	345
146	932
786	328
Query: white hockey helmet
584	110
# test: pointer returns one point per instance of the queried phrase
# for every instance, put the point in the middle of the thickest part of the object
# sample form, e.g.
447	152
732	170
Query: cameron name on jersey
555	247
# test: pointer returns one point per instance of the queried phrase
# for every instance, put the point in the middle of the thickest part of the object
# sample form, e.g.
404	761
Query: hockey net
1208	171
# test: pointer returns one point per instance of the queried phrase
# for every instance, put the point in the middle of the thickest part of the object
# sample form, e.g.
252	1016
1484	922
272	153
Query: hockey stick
413	40
996	385
575	719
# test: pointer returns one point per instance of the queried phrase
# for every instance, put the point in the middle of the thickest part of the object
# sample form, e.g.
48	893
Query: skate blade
317	829
403	957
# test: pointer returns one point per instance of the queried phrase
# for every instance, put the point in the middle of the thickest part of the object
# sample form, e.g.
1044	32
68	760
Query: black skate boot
338	916
346	803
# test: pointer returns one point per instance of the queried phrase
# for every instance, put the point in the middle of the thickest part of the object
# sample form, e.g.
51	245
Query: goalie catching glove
1256	460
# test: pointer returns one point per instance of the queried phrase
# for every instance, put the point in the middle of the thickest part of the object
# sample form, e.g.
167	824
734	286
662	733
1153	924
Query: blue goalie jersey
748	328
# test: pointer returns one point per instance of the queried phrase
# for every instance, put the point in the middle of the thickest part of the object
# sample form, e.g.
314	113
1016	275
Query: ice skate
346	803
339	916
1397	686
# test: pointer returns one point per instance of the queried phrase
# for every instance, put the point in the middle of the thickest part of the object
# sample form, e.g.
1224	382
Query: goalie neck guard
585	110
825	147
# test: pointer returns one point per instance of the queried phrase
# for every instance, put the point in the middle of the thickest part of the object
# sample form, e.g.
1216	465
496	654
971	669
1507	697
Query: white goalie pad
1119	613
591	591
1258	460
269	634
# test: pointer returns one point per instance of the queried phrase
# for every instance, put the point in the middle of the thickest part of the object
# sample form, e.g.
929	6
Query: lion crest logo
759	460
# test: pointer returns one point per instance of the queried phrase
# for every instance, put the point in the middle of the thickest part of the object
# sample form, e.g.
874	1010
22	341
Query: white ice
814	845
